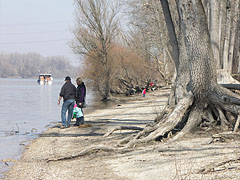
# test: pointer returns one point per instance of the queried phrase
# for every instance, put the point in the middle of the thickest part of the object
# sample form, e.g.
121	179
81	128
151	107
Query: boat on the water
45	79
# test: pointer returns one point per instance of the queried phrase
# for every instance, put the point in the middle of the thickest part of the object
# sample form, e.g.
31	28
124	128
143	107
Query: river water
26	110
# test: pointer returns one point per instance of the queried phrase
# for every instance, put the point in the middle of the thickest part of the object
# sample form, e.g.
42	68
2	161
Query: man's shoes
63	127
75	124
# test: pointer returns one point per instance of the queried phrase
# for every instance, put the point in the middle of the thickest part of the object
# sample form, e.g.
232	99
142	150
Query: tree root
194	120
210	117
125	140
187	114
224	123
237	124
123	128
145	131
87	151
215	111
169	124
219	107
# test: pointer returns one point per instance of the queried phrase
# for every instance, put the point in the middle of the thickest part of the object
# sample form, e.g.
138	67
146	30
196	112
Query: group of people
150	85
73	101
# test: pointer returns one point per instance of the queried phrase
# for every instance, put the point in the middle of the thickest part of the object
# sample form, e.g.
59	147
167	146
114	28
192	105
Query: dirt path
191	158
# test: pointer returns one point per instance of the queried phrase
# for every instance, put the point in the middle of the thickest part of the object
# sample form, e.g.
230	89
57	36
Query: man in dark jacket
80	99
68	93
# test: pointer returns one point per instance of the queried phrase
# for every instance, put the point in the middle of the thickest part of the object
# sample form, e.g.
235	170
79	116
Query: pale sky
41	26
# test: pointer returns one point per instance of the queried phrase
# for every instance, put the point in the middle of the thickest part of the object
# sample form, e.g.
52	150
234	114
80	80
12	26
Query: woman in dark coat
80	99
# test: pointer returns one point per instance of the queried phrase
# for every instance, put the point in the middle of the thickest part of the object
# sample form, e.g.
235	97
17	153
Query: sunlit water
26	109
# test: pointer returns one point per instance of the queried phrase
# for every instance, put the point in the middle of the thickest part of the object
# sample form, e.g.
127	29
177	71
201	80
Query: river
26	110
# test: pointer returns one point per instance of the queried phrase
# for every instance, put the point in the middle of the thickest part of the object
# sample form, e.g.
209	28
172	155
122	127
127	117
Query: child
144	92
77	113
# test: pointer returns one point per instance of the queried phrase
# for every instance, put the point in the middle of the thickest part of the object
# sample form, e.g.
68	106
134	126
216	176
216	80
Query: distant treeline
31	64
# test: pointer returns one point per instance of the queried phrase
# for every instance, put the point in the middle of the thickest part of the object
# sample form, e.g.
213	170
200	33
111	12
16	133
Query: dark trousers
80	120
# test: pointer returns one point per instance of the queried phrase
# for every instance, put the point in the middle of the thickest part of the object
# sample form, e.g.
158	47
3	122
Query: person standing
80	99
68	93
144	92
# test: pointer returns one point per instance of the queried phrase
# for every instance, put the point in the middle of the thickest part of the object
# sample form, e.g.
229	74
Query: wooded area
31	64
197	99
119	60
192	43
115	61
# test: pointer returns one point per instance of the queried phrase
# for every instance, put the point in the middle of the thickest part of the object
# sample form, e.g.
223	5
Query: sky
41	26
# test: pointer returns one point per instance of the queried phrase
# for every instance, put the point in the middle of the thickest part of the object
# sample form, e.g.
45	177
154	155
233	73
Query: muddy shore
191	158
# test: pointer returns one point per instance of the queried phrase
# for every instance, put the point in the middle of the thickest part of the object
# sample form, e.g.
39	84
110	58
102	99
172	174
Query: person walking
68	93
80	99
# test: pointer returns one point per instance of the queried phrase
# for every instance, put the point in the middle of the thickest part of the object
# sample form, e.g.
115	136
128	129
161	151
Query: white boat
45	79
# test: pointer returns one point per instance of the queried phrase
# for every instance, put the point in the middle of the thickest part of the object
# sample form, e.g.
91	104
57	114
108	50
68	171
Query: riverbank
191	158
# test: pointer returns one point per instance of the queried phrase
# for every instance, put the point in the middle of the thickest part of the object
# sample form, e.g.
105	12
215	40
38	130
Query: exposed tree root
123	128
187	114
231	86
125	140
219	108
166	125
230	117
209	116
87	151
224	122
194	120
148	129
237	124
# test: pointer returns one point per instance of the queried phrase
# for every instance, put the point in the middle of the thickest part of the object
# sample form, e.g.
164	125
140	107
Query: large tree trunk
196	97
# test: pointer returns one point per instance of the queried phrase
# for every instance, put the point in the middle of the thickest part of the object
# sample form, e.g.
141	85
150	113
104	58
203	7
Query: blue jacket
78	112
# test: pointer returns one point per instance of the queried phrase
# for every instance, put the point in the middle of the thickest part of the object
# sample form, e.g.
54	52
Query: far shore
55	154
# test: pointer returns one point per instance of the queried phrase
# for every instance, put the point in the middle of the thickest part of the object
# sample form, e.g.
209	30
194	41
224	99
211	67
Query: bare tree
148	35
97	27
